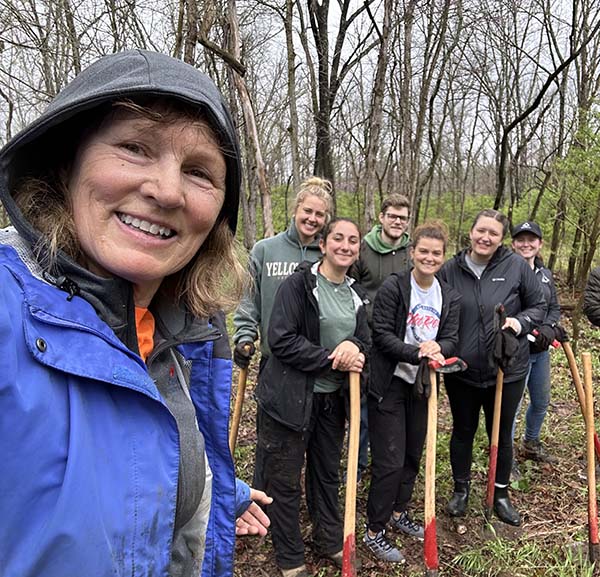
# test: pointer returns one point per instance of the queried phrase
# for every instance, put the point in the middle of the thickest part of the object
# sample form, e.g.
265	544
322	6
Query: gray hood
125	74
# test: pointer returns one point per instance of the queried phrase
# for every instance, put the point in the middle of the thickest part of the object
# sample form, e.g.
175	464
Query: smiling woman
415	318
144	197
318	333
123	198
488	274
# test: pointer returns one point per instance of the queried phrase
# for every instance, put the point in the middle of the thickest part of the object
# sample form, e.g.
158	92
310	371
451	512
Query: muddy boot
504	508
535	451
457	506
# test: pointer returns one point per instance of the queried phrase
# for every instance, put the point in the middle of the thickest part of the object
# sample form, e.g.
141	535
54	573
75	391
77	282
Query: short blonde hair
315	186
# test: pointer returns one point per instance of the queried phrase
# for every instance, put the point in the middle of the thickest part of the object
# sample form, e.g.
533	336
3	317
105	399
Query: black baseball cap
527	226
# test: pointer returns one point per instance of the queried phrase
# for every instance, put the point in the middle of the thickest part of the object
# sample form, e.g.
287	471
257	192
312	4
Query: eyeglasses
394	217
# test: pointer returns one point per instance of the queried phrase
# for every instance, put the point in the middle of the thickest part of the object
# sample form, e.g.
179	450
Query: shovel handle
349	550
430	548
237	410
493	462
579	388
594	542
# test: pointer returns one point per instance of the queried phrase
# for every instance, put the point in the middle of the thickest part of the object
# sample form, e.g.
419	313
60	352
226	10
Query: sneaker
382	548
407	525
301	571
535	451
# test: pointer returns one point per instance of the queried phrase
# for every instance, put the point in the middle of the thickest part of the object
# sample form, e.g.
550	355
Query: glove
560	334
544	337
422	385
506	345
242	353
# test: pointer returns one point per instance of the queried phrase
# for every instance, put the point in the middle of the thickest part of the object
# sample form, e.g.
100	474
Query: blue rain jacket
90	456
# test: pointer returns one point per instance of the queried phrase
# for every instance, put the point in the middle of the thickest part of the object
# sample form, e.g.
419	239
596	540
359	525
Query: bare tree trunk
250	119
291	84
376	116
232	57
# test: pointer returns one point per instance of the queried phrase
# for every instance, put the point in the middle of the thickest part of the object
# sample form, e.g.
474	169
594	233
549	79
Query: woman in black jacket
487	274
318	332
527	242
415	316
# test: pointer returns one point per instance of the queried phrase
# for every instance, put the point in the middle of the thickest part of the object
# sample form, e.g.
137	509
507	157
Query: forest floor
552	540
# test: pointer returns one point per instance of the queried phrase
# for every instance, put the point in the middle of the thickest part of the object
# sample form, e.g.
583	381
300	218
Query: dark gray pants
281	453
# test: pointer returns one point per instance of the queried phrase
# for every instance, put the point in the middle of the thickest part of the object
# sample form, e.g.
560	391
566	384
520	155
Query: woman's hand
429	348
437	357
254	521
347	357
512	323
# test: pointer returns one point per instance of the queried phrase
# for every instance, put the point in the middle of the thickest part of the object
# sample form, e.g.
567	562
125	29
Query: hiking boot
405	524
301	571
382	548
535	451
457	506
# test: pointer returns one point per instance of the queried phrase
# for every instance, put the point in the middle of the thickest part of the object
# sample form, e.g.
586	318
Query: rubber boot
504	508
457	506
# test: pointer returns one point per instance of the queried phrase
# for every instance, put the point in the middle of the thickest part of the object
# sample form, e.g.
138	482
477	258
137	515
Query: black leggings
465	404
397	429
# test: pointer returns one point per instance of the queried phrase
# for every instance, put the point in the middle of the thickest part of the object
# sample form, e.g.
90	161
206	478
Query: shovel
349	551
594	542
499	317
450	365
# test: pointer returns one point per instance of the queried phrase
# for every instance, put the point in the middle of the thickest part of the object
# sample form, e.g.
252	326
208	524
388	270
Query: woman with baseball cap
527	242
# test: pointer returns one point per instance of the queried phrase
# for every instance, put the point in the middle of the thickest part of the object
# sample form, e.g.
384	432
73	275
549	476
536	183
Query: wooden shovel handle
237	411
493	461
430	545
579	388
594	542
349	552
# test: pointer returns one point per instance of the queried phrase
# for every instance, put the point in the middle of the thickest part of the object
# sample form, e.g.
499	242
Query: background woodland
458	104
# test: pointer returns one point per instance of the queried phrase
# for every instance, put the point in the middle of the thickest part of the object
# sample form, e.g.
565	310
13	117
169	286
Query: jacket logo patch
280	268
498	279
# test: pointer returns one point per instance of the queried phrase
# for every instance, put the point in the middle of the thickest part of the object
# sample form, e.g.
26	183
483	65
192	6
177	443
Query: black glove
242	353
506	345
560	334
544	338
422	386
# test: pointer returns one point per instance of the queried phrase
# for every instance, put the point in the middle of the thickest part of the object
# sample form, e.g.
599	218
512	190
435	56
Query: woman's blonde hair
315	186
213	280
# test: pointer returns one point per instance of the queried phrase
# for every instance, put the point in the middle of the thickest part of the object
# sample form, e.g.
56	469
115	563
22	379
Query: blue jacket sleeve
242	497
